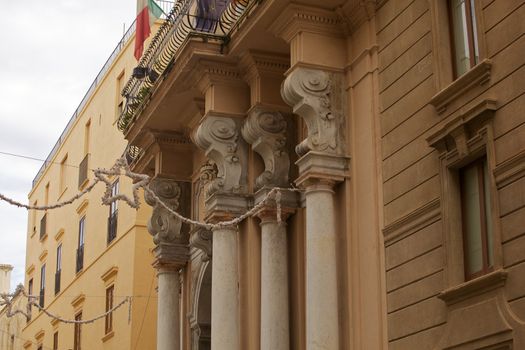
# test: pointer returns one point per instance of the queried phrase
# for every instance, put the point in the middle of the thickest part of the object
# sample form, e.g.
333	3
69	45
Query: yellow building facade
85	258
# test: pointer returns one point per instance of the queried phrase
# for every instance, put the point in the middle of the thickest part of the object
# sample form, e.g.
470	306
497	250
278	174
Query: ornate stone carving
316	96
164	227
266	132
219	137
201	238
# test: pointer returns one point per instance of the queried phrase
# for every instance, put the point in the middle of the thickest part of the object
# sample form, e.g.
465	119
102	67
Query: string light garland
7	300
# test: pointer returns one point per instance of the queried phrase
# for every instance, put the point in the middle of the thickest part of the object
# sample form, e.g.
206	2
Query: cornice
299	18
257	63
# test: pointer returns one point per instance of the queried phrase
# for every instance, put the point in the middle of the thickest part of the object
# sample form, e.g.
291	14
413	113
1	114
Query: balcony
80	258
185	20
43	226
57	281
83	171
112	226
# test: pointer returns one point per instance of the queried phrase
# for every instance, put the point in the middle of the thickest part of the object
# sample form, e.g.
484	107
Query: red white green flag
147	12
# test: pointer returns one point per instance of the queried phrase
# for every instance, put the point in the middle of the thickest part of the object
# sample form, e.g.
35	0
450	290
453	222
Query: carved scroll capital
316	96
219	137
164	227
266	132
201	238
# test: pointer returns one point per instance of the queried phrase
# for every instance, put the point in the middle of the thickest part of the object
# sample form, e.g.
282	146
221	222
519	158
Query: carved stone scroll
266	132
316	96
219	137
201	238
164	227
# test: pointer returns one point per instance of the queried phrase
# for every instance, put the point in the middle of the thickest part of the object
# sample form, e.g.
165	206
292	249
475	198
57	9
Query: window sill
478	75
108	336
475	287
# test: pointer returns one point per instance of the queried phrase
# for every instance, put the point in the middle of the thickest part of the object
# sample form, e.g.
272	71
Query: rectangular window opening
109	306
464	35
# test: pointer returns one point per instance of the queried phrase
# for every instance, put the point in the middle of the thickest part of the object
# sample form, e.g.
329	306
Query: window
63	175
42	285
87	136
43	226
109	306
80	249
77	336
476	219
465	48
113	211
55	341
58	269
30	292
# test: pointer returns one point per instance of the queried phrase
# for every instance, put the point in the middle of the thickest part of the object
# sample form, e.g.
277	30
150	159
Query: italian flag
147	12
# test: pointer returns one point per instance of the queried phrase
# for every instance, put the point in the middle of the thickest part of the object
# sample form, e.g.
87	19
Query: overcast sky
50	52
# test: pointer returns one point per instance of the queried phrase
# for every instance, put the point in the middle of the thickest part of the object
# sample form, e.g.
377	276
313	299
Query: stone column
171	255
316	96
219	137
265	130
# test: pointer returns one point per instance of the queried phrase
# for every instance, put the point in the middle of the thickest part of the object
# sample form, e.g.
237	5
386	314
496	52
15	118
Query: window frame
472	35
110	298
77	332
486	267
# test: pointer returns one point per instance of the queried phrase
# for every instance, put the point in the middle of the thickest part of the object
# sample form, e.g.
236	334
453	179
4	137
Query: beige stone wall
412	69
11	327
126	262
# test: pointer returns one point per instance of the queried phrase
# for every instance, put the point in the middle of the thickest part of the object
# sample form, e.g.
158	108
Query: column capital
170	256
218	136
268	213
316	96
319	169
265	130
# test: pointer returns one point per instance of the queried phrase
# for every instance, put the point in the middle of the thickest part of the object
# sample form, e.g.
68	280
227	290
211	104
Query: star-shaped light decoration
120	168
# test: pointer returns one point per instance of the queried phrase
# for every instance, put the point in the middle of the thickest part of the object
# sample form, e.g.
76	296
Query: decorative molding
30	269
477	286
109	275
78	301
202	239
297	18
461	128
42	255
412	222
316	96
354	13
59	234
510	170
82	206
266	131
219	137
478	75
254	63
39	336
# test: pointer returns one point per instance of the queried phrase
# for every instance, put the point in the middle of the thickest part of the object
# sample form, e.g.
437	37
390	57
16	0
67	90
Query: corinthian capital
219	137
163	226
266	132
316	96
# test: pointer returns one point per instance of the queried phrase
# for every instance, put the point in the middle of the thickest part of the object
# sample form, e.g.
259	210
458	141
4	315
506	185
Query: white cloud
50	53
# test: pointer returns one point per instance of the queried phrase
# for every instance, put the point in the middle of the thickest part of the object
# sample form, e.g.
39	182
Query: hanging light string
121	168
7	300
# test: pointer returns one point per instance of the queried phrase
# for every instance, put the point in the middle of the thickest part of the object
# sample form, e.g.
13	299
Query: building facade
10	325
85	258
400	122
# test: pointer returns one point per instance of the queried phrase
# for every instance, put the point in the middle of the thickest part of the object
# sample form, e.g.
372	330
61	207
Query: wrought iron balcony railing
83	171
80	258
43	226
57	281
187	18
112	226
